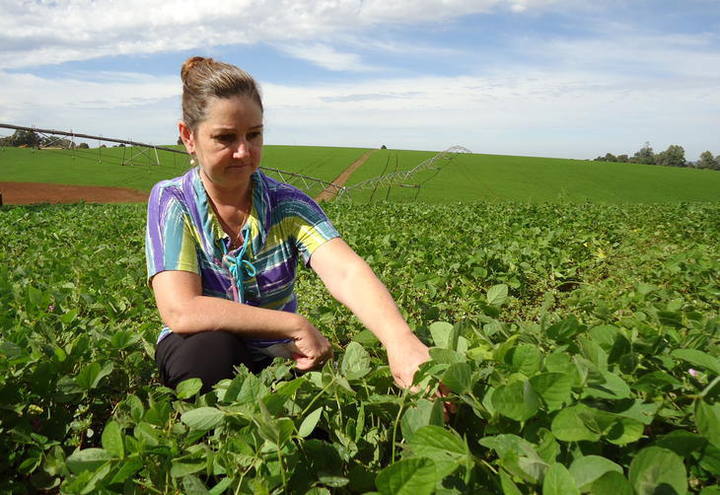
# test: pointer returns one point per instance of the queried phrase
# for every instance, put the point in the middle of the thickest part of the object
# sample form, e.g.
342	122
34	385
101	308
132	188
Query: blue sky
528	77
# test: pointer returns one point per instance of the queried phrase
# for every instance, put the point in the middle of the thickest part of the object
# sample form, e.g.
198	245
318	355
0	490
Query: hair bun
191	64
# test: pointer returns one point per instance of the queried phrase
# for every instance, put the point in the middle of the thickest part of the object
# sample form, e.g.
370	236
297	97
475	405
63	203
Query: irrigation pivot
400	177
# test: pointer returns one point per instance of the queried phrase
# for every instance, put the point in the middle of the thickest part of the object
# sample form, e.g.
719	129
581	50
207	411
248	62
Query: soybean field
578	340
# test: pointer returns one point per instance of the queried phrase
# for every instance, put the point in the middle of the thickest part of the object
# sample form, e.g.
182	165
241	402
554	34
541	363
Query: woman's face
228	143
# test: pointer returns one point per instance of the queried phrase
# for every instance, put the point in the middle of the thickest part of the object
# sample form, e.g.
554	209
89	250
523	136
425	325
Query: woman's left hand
404	358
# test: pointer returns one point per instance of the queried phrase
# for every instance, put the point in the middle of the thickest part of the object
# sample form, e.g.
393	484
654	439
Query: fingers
313	350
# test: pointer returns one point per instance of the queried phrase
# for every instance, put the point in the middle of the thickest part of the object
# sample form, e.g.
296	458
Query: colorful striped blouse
183	233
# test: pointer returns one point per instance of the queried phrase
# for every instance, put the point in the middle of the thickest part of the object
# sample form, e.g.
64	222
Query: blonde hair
205	78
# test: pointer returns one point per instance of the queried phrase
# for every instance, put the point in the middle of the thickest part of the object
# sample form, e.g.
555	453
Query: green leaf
112	440
408	477
221	487
440	332
568	425
624	431
606	385
432	440
554	388
310	422
128	467
277	431
90	376
203	418
585	470
698	358
356	362
612	483
518	456
87	460
656	470
508	485
558	481
458	377
682	442
137	411
497	295
525	359
422	413
146	434
193	486
447	450
707	420
184	468
188	388
517	401
277	399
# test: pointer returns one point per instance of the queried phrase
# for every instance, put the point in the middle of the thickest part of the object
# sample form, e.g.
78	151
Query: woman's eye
225	137
254	135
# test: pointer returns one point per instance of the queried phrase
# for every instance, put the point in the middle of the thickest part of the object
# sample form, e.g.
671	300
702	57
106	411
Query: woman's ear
187	137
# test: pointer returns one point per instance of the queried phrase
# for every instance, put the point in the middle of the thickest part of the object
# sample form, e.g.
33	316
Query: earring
192	161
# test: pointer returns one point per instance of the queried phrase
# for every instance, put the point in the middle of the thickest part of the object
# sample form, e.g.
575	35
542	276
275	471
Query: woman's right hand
313	349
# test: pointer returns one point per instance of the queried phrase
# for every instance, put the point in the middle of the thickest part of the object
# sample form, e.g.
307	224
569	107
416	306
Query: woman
223	242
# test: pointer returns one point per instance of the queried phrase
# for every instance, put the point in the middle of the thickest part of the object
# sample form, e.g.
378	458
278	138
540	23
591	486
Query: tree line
673	156
30	139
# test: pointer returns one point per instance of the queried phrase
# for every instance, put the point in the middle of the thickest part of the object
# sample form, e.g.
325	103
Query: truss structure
401	177
138	150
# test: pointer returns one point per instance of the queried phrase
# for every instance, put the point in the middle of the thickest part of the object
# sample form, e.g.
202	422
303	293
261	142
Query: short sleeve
169	242
311	226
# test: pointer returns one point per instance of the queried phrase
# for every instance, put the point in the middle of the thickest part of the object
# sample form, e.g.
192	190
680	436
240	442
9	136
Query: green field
473	177
320	162
104	167
580	344
469	177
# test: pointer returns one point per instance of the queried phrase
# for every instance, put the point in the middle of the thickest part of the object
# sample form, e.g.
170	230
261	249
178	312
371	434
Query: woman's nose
242	149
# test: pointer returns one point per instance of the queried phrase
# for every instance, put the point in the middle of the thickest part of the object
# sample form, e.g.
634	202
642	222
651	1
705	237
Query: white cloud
37	33
573	114
327	57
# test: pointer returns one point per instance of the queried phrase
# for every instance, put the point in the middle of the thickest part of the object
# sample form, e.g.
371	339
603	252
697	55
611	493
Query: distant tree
707	160
22	137
623	158
383	147
103	146
644	155
609	157
674	156
83	146
717	162
179	141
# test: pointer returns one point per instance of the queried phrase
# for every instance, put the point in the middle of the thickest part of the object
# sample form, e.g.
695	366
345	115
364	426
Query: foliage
469	177
673	156
708	161
21	137
645	155
579	344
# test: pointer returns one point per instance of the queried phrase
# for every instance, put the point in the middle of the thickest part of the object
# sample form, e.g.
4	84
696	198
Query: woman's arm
184	309
352	282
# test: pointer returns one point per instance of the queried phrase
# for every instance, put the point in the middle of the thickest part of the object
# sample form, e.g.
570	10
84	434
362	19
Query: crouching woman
223	243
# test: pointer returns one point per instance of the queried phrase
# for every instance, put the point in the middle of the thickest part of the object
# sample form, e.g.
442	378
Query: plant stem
307	408
395	427
710	386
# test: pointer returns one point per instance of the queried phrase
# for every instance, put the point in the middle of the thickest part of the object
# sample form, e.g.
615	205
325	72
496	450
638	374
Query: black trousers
210	356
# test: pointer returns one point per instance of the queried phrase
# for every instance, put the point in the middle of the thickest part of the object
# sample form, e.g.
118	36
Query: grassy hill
469	177
472	177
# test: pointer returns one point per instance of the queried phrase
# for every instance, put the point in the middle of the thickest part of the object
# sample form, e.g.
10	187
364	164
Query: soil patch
25	193
330	192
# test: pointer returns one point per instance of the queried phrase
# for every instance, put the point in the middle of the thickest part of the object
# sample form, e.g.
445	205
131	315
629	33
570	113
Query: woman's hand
404	358
313	349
